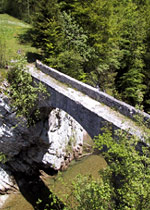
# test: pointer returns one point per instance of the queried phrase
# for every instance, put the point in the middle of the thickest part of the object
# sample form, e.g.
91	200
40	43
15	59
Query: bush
124	183
24	94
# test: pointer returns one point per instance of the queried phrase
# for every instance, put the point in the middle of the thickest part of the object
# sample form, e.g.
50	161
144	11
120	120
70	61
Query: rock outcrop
7	182
66	138
50	144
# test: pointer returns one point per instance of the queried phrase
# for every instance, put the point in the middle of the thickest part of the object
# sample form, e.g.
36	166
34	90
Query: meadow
14	41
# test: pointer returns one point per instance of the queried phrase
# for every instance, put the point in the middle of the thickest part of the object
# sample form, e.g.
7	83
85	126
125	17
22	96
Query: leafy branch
23	92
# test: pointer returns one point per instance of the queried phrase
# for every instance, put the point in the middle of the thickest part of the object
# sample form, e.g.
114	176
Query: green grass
12	33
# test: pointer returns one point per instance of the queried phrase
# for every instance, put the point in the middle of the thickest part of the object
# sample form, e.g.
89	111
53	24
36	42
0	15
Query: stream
38	188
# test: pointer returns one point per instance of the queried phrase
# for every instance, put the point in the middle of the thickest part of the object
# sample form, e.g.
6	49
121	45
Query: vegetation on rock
3	158
23	92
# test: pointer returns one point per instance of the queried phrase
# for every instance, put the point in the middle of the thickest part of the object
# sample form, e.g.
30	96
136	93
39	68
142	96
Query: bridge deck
100	109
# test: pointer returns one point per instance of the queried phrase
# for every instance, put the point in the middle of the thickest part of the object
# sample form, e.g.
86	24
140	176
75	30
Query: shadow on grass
32	57
37	193
26	37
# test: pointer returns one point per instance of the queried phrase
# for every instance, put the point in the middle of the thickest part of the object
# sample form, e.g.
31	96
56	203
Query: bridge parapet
92	92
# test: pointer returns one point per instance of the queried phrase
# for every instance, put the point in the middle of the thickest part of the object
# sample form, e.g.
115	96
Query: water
88	165
38	187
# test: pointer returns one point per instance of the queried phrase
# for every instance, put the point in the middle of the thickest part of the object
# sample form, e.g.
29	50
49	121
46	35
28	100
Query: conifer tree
131	26
74	51
46	26
3	6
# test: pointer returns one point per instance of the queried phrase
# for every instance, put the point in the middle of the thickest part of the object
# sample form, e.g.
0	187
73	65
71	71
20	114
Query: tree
93	16
145	9
124	182
24	94
74	48
3	6
104	42
22	9
98	22
132	35
46	26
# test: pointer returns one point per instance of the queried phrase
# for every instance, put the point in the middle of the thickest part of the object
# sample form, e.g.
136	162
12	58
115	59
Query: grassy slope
11	29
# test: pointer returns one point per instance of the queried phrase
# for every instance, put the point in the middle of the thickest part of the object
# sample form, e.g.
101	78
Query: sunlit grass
3	73
10	31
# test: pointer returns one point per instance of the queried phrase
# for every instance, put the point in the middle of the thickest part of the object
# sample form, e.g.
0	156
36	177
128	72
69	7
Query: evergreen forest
100	42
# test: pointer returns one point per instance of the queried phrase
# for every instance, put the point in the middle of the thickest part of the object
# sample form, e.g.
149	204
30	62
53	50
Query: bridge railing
100	96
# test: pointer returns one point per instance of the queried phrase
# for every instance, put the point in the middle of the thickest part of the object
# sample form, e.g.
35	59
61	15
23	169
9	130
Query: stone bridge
91	108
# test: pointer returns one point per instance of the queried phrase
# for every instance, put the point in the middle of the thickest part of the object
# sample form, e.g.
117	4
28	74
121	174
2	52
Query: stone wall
100	96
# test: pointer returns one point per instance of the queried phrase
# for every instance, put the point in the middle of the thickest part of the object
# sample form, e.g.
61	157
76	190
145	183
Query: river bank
3	199
90	164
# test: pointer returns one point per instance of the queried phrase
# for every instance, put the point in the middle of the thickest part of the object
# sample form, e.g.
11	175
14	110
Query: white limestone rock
65	135
3	198
50	143
6	180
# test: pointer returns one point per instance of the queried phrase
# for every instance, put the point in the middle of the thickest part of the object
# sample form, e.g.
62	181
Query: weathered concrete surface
100	96
89	113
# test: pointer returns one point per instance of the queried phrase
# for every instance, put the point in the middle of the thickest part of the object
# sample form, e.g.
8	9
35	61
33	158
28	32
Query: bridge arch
90	121
92	109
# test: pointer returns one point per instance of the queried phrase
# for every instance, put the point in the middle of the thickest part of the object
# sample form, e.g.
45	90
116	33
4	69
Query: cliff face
50	144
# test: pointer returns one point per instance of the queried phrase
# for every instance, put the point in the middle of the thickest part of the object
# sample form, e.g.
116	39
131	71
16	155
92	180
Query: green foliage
75	37
117	31
18	8
3	158
3	54
146	13
62	40
101	42
46	26
90	194
75	51
3	6
53	203
24	94
128	170
132	35
124	182
68	62
134	87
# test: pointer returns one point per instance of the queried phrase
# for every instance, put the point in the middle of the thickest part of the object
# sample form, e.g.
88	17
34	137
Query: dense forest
107	45
103	43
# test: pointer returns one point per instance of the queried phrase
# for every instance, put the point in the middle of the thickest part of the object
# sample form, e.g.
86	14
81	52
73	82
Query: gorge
56	138
49	145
